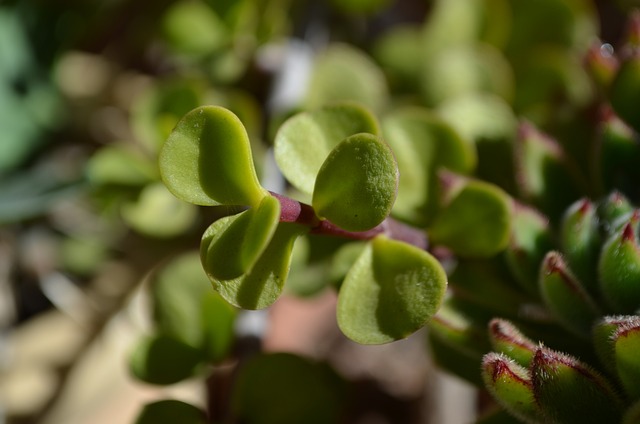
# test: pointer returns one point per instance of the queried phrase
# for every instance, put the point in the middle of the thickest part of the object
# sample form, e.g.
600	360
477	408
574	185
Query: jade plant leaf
357	183
163	360
274	388
422	142
187	308
475	219
159	214
207	160
304	141
171	411
344	73
120	166
391	291
626	342
261	285
237	242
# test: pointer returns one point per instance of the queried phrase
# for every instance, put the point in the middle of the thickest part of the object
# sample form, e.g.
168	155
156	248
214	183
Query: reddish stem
293	211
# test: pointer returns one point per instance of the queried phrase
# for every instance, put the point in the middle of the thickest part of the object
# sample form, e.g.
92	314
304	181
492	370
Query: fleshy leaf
569	391
390	292
508	340
188	309
305	140
169	412
159	214
261	285
342	72
475	219
510	385
626	342
530	240
422	142
625	90
580	241
207	160
621	252
275	388
565	296
236	243
603	337
164	360
120	166
546	176
357	183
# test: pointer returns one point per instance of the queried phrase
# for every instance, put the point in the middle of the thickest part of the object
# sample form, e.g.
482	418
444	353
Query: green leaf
164	360
207	160
508	340
158	214
261	285
569	391
286	389
545	174
464	69
614	212
344	73
390	292
625	90
187	308
530	241
510	385
565	296
603	337
475	219
357	183
581	242
119	165
170	412
194	28
304	141
626	343
235	244
619	269
422	142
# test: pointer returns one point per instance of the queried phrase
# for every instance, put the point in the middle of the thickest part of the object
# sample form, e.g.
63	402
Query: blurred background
89	90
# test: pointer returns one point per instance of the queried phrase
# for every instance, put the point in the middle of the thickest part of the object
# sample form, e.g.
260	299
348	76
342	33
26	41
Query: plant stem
301	213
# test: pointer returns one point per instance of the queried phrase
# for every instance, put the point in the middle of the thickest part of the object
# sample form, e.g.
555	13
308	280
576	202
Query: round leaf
476	220
422	142
164	360
390	292
304	141
207	160
357	184
158	214
236	243
187	308
342	72
169	412
286	389
260	286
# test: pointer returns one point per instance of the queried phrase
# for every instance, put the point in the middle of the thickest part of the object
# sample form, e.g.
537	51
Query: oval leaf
188	309
236	243
207	160
260	286
357	184
422	142
304	141
476	219
164	360
169	412
390	292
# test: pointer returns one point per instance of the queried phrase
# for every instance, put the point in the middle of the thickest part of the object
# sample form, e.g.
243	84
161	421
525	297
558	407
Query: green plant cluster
473	144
